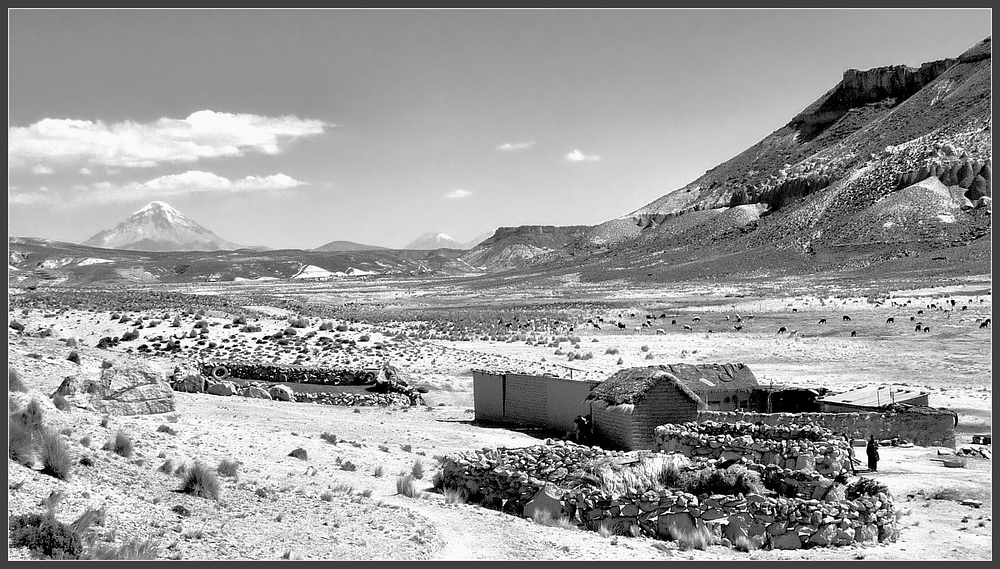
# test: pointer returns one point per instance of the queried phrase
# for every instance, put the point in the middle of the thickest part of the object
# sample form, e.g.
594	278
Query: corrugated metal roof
874	396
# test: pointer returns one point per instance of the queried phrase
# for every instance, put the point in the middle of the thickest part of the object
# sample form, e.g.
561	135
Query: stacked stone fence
787	446
287	373
924	426
393	390
515	480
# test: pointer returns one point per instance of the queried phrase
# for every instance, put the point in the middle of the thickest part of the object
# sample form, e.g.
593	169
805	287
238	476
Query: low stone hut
627	407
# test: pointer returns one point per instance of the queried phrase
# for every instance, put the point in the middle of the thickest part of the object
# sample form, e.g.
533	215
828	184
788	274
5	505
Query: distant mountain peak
159	227
434	241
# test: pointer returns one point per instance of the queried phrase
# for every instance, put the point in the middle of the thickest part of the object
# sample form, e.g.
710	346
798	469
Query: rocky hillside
159	227
890	163
517	246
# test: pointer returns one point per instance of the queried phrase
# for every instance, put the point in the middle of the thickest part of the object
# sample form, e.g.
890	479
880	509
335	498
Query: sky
294	128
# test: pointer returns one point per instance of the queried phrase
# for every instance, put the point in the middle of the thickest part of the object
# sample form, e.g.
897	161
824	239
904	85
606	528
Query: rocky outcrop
130	388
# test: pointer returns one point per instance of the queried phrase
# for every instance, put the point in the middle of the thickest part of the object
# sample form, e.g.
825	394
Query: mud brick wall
526	401
792	447
921	426
291	373
507	479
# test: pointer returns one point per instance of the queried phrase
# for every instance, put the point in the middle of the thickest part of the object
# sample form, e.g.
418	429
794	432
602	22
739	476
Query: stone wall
287	373
513	479
791	447
923	426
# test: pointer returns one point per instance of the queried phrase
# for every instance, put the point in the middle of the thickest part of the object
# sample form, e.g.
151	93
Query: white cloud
85	171
191	182
577	156
458	194
515	145
41	198
42	170
203	134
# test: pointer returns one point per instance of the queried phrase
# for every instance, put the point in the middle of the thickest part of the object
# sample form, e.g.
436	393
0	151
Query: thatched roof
629	386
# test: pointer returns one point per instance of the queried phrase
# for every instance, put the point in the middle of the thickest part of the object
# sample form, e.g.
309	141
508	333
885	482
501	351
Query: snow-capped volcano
434	241
159	227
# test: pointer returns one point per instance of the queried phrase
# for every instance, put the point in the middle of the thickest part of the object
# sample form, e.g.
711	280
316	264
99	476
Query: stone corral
287	373
564	474
792	447
920	425
390	384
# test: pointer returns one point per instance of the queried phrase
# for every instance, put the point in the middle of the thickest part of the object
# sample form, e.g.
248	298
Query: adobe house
628	406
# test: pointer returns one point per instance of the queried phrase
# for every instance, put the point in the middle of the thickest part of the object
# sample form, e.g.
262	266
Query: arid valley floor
322	509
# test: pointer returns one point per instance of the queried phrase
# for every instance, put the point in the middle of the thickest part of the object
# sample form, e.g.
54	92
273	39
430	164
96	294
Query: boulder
548	500
188	378
978	188
826	535
224	388
788	540
282	393
129	388
254	392
867	533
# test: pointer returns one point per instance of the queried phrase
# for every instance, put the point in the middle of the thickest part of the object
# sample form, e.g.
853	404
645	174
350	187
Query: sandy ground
320	509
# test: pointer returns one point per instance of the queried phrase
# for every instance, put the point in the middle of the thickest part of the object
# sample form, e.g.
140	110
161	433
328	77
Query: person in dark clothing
872	450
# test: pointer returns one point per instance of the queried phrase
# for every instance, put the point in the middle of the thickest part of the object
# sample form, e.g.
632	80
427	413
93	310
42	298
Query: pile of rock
787	446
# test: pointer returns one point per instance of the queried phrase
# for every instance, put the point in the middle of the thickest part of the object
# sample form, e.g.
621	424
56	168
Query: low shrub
134	549
14	381
418	469
454	496
45	536
406	486
329	437
200	481
348	466
32	416
166	429
228	467
379	471
544	518
697	538
20	442
122	444
54	455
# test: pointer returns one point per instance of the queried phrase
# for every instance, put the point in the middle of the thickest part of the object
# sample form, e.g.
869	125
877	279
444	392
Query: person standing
850	453
872	450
